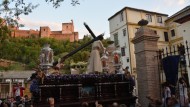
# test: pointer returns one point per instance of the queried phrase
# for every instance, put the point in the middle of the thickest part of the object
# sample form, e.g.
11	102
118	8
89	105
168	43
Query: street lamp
46	58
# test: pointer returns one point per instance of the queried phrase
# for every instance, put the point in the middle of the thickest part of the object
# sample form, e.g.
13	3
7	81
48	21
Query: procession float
71	90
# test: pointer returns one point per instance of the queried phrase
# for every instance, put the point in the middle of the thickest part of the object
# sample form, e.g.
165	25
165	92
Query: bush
16	66
31	65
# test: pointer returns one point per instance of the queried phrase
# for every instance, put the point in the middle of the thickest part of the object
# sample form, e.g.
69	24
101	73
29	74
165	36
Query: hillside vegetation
27	51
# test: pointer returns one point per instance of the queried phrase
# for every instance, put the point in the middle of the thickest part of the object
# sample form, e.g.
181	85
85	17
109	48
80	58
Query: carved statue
95	64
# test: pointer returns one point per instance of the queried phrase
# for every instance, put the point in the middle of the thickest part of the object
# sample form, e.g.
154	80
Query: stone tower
45	32
67	28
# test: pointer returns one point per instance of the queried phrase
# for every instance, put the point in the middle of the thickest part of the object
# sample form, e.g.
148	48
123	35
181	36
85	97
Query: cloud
170	6
156	9
83	31
169	2
175	2
33	24
181	2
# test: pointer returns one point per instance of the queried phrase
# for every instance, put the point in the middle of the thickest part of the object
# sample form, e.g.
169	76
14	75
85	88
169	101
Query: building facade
9	79
124	24
67	33
182	20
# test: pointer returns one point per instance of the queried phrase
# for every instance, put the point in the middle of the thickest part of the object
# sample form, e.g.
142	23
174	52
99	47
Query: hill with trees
26	51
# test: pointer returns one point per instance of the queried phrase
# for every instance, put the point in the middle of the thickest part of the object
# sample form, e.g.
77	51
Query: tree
4	31
27	51
12	9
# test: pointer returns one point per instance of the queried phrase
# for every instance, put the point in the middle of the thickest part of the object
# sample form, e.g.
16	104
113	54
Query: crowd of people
19	100
12	102
171	97
114	104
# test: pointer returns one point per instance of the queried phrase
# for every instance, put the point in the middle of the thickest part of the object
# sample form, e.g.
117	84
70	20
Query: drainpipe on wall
129	44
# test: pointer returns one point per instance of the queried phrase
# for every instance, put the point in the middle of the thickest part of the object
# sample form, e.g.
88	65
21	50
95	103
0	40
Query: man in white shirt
18	92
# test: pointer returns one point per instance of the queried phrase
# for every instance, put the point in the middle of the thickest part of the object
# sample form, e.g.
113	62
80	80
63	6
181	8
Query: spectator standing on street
129	77
115	104
172	102
183	95
26	101
85	104
166	93
18	92
0	102
51	102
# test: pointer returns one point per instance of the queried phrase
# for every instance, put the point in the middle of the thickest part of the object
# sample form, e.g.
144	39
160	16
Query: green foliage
31	65
80	66
3	68
4	31
16	66
27	51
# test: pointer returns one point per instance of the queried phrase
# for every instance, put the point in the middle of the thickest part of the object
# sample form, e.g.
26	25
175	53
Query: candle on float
103	63
116	58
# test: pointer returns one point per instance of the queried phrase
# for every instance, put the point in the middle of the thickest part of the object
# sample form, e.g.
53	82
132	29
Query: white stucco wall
117	26
115	22
184	30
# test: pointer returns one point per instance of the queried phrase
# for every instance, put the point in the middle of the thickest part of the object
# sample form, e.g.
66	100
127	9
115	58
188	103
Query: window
148	17
159	19
121	16
124	32
122	51
116	41
18	80
127	59
8	80
155	31
173	33
166	36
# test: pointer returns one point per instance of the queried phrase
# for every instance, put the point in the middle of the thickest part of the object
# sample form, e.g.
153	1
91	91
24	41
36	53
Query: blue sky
94	12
